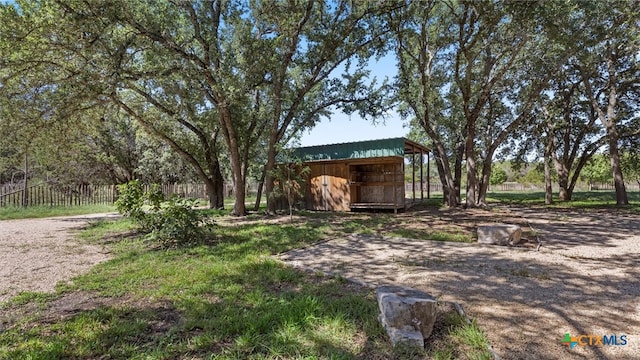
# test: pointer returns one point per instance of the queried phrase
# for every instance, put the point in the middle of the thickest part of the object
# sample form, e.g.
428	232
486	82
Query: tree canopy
224	85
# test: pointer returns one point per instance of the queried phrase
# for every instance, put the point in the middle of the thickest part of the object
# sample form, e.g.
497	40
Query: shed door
317	188
329	187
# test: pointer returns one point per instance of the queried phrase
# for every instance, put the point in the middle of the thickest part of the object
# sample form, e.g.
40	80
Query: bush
131	200
169	222
177	223
498	176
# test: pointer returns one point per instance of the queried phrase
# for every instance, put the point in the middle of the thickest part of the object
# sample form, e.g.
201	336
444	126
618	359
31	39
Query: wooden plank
377	172
378	183
313	194
338	189
390	206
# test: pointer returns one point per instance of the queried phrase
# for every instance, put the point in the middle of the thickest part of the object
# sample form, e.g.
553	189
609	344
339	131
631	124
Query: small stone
500	234
407	314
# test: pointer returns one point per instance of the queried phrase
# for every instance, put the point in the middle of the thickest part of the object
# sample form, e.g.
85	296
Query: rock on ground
407	314
499	234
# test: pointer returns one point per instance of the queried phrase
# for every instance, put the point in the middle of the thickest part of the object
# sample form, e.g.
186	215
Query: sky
341	128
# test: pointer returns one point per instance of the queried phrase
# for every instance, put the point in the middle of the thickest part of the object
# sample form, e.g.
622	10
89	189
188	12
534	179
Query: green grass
432	235
580	199
106	230
7	213
225	299
455	338
27	297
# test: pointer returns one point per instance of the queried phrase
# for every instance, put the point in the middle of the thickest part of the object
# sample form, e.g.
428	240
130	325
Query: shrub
171	222
177	223
131	200
498	176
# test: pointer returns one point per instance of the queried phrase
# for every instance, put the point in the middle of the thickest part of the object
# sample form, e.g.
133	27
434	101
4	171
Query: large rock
500	234
407	314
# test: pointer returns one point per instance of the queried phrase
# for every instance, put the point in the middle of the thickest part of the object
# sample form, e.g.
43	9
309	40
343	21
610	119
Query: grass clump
456	338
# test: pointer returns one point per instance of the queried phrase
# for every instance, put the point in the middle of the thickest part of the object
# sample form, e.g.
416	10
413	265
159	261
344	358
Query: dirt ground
37	253
583	280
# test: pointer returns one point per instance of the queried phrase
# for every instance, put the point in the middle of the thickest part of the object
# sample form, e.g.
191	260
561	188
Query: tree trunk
609	122
214	183
268	182
548	189
586	155
563	192
457	173
256	207
563	180
211	193
484	183
240	192
441	175
472	170
616	169
237	173
444	172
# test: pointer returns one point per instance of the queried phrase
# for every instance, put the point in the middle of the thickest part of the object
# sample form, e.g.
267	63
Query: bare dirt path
584	280
37	253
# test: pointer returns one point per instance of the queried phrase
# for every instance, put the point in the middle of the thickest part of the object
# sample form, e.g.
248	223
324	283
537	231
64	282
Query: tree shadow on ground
525	300
276	313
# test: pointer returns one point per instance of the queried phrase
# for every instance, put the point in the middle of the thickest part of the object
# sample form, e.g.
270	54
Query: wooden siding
328	187
371	183
315	189
378	184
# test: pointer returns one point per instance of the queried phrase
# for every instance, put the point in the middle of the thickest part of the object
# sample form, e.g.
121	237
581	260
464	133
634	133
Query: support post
413	169
428	176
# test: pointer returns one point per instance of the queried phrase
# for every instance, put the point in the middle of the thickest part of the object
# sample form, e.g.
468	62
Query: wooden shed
364	175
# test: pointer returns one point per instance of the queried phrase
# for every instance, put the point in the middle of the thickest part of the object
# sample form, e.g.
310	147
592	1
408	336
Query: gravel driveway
584	280
37	253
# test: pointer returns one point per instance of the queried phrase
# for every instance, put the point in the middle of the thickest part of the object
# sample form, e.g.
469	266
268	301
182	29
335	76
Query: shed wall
328	187
373	183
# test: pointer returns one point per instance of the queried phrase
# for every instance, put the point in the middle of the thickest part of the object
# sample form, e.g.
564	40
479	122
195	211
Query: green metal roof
356	150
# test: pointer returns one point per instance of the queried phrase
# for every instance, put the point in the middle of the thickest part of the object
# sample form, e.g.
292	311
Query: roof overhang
358	150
